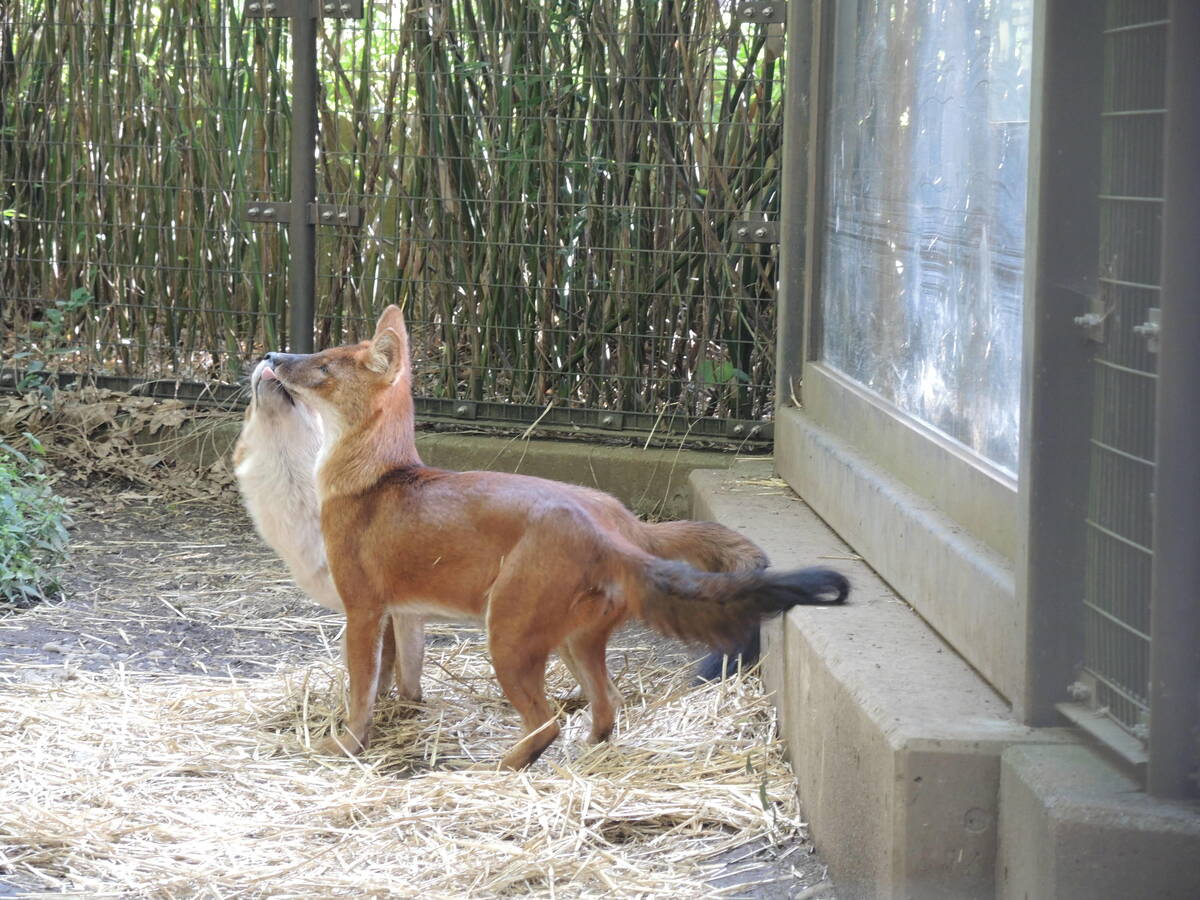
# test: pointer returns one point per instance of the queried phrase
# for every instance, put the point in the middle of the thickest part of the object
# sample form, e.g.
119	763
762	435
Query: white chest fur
276	477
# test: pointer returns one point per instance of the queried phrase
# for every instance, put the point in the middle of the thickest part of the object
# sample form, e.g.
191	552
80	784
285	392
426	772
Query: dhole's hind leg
387	660
408	637
522	676
533	606
364	646
587	650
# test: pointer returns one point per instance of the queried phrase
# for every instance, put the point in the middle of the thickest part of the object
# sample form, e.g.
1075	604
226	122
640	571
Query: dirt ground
184	589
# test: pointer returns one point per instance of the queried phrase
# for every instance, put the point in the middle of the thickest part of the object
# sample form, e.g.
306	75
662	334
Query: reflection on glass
924	250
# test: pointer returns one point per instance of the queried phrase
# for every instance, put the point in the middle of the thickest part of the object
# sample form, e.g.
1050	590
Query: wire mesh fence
549	190
1116	603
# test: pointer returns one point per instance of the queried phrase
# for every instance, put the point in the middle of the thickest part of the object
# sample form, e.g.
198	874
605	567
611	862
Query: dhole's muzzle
265	387
299	371
284	361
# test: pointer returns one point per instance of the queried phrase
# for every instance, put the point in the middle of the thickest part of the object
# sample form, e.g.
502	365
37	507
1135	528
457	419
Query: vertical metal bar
1174	764
820	65
793	214
302	234
1061	267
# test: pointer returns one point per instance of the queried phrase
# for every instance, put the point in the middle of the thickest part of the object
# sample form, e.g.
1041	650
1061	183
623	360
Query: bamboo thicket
548	189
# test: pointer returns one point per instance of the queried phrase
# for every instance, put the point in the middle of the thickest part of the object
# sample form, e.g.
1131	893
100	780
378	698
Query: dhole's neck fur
274	461
357	454
363	394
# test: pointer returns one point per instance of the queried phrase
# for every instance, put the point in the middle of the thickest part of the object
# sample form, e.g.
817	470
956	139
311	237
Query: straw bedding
135	778
178	786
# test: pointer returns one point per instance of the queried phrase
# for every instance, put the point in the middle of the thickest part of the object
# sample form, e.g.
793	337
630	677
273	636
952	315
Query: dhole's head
346	385
274	415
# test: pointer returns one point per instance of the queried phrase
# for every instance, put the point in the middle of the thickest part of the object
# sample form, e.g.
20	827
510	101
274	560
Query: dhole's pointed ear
391	318
389	353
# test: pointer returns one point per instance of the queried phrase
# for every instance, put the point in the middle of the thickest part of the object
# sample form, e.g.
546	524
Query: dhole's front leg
364	645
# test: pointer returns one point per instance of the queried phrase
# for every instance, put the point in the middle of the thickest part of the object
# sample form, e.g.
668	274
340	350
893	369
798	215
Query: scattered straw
171	786
153	726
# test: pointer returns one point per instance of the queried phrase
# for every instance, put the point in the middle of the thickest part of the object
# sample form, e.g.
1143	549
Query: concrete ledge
894	739
1073	827
960	585
652	482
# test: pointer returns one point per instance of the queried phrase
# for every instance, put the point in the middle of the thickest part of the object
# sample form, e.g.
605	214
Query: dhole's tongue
268	374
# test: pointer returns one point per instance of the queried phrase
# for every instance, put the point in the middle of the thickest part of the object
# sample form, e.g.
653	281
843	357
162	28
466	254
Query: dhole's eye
324	369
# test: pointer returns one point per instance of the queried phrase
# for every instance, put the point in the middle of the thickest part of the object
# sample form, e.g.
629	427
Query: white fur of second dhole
275	461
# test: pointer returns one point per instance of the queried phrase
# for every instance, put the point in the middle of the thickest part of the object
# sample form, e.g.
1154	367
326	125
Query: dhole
275	462
547	566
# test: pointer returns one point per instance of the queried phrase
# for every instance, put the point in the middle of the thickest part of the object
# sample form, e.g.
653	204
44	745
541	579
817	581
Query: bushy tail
721	608
718	665
706	545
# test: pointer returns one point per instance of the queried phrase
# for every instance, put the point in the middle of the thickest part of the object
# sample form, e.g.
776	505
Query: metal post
301	212
819	70
1174	751
302	233
1061	268
793	214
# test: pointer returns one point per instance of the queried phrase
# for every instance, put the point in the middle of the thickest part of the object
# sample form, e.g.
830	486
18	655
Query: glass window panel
924	248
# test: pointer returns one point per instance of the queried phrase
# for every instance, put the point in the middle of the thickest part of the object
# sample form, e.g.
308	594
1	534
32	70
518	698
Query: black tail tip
815	586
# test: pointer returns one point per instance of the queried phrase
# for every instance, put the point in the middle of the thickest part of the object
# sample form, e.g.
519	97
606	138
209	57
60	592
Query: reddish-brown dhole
275	462
546	566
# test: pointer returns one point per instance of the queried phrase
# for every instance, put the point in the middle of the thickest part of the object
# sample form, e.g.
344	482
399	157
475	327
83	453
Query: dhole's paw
515	761
599	737
411	698
343	744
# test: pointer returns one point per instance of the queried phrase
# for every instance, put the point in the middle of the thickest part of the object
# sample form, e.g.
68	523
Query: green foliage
56	319
54	335
33	531
719	373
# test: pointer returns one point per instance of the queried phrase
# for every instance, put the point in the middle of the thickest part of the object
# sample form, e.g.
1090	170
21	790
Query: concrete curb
653	482
1073	827
895	740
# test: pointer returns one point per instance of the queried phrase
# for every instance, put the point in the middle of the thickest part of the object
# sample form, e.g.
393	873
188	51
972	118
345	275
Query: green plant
33	526
54	336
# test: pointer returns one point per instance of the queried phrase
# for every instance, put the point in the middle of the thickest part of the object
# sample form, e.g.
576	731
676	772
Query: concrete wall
653	482
959	584
917	780
895	740
1073	827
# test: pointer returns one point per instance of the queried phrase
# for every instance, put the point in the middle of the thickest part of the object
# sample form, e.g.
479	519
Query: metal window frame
1062	250
803	29
1173	768
971	490
907	477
